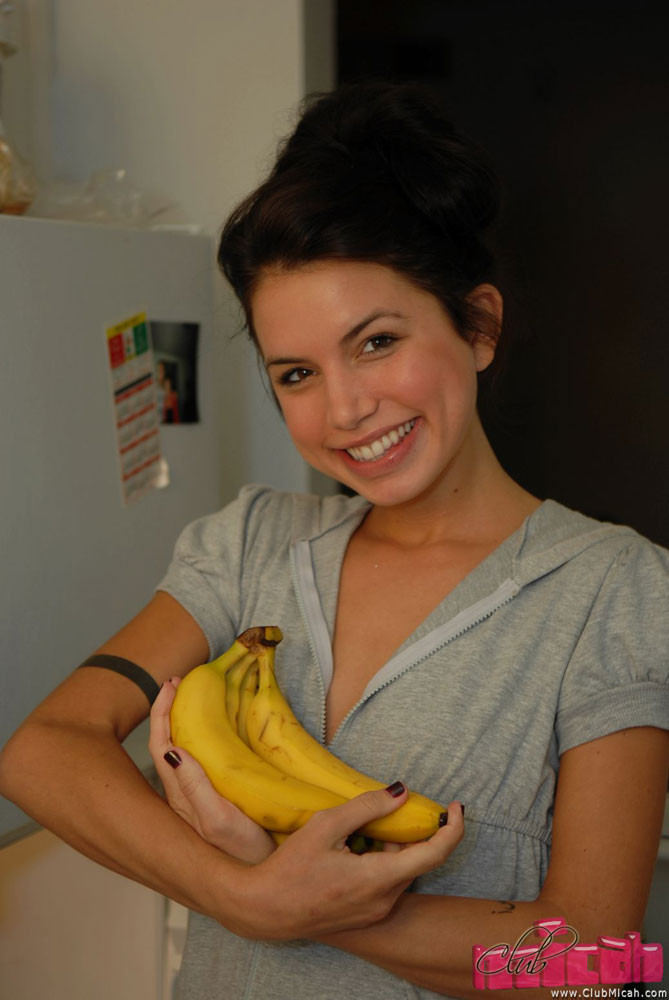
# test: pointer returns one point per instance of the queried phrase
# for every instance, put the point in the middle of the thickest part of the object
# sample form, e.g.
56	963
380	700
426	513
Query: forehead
335	294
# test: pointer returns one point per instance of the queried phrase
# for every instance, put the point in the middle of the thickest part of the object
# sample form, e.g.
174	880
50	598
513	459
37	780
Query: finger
217	819
159	721
389	847
190	777
197	789
340	821
426	855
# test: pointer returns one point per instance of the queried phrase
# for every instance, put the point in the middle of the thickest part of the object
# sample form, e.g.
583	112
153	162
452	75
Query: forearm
428	939
78	782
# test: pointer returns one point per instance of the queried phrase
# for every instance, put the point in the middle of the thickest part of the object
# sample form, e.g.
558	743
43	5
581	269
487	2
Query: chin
384	494
391	489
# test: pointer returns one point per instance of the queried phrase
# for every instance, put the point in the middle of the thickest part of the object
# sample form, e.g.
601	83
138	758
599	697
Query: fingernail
172	758
462	806
443	819
396	789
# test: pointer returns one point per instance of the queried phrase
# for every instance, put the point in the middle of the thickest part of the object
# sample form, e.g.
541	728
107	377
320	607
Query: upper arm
606	826
163	639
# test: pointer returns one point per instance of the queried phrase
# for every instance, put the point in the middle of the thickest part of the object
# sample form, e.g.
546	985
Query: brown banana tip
443	818
272	635
260	635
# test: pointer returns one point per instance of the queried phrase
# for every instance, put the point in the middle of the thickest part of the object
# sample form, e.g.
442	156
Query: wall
71	930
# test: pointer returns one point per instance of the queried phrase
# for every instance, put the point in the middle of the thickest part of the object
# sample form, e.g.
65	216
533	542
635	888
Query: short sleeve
205	574
618	675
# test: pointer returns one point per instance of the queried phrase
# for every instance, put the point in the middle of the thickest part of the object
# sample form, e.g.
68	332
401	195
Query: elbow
597	919
12	766
24	763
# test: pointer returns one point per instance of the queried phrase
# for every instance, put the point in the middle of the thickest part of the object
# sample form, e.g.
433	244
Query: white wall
71	930
190	99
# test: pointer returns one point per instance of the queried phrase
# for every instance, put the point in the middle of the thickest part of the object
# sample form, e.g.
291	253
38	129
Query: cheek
446	381
301	421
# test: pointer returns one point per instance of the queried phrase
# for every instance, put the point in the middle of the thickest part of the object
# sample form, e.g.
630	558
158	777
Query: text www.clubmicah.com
609	968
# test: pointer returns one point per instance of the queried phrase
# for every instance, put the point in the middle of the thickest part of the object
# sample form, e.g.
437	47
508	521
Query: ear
489	305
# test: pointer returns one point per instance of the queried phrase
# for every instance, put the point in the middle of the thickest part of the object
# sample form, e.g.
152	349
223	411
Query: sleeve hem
642	704
209	610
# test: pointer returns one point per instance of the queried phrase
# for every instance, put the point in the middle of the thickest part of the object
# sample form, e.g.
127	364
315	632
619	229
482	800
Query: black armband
127	669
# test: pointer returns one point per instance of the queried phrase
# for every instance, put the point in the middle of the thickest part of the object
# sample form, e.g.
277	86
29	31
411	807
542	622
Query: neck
474	502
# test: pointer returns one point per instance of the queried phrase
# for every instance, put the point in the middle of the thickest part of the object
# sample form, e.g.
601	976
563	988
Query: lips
377	448
371	468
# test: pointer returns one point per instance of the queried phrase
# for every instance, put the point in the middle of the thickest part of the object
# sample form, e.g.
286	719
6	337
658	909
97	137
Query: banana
233	682
248	688
277	736
200	724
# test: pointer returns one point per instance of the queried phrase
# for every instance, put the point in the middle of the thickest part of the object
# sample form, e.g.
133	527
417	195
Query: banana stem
260	637
256	640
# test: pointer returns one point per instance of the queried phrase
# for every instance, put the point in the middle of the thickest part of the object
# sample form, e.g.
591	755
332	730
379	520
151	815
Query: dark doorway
571	100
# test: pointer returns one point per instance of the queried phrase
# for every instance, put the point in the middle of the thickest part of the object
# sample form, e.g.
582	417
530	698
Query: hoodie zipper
311	610
463	622
300	559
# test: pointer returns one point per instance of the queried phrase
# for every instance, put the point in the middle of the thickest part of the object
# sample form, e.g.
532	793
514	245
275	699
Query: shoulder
612	599
263	517
557	538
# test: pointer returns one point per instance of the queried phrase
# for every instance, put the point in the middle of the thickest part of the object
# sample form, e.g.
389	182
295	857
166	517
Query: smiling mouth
377	449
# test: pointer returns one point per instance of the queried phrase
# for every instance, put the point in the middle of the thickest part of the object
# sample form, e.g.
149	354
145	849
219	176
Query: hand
313	884
190	793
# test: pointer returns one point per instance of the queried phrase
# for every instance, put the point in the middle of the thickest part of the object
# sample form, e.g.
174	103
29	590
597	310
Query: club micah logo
550	954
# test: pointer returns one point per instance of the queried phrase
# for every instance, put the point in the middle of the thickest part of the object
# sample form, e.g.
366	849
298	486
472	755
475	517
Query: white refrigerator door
77	563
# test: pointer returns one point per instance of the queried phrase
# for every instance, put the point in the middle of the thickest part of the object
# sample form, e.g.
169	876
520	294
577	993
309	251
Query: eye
377	343
294	376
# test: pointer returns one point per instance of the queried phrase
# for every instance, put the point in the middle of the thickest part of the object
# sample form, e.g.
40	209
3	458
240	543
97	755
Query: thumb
190	777
340	821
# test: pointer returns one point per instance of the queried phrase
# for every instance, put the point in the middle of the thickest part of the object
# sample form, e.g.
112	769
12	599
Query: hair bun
399	133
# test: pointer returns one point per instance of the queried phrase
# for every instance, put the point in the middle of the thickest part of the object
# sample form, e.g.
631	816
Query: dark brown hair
375	172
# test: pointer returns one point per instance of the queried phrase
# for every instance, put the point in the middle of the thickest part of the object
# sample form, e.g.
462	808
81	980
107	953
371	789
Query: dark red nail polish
396	789
443	819
172	758
462	806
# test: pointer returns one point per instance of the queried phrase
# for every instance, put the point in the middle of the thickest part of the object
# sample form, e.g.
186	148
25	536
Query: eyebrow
352	333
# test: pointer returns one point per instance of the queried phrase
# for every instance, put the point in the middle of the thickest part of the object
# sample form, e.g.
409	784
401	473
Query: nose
350	400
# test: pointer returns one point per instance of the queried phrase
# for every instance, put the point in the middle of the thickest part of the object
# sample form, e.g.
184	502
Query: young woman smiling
442	626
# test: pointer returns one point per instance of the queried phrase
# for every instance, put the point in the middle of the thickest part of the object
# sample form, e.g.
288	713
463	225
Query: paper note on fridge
141	464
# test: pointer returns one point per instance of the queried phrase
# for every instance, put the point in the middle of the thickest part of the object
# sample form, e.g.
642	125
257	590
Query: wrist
234	898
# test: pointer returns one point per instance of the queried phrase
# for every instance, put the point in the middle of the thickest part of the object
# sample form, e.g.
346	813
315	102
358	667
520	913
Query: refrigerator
81	552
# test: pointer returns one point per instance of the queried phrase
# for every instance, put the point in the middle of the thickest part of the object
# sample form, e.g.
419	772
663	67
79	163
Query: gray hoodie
560	636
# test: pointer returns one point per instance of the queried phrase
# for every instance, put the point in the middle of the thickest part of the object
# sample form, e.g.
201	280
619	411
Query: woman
443	626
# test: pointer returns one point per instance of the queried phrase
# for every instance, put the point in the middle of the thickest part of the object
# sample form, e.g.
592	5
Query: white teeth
368	452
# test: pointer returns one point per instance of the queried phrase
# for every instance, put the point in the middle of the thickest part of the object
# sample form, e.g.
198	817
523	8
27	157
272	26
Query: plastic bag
108	196
17	185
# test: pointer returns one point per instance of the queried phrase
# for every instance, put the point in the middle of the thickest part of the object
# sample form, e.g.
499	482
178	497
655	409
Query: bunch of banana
231	716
